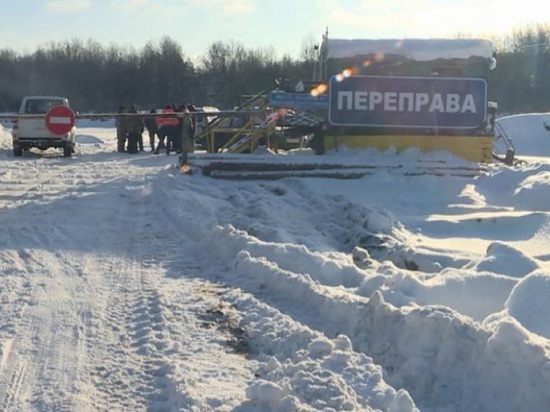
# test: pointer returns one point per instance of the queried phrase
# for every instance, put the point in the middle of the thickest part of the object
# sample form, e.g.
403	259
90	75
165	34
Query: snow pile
528	133
529	303
507	260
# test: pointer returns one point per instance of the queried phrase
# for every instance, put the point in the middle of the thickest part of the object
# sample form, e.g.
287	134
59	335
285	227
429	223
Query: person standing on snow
163	128
121	129
186	135
152	129
193	126
172	137
135	129
140	138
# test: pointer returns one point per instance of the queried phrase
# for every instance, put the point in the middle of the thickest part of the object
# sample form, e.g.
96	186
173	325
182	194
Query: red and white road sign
60	119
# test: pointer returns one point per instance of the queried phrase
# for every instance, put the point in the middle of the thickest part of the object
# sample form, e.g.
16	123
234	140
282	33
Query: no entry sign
60	119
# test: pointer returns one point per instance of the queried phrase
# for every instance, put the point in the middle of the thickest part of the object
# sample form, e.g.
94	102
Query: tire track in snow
49	339
117	375
10	400
29	182
141	358
103	328
52	335
112	366
202	362
47	336
15	304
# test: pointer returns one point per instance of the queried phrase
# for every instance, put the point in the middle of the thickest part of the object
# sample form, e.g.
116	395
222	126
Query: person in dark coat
172	138
135	129
187	131
152	129
121	129
192	126
140	139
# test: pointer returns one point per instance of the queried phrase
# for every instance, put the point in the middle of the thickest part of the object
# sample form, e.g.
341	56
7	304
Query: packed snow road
98	296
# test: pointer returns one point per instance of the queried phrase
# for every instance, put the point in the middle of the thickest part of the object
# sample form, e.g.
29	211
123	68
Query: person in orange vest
166	126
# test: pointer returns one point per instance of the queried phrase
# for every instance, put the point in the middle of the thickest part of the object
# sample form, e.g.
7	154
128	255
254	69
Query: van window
40	106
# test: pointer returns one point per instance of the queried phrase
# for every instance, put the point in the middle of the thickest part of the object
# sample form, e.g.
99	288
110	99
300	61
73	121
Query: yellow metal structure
470	148
257	126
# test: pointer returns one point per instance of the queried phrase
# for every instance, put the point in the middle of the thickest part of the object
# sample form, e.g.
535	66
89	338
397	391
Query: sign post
60	119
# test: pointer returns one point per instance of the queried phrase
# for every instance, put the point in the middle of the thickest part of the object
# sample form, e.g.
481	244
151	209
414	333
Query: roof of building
414	49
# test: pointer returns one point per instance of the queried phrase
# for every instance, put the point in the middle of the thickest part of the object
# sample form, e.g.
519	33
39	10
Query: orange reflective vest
168	120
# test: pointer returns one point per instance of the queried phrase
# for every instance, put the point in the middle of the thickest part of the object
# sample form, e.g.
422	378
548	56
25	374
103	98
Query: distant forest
99	78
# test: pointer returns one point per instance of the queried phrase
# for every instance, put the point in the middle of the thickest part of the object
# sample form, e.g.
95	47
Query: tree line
99	78
521	81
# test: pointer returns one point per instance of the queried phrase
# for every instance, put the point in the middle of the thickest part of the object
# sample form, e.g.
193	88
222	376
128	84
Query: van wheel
17	151
68	151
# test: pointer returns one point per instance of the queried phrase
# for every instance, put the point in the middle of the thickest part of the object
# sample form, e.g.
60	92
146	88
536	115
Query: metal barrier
510	151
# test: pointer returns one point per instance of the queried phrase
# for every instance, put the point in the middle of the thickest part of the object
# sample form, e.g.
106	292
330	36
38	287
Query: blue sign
298	100
408	102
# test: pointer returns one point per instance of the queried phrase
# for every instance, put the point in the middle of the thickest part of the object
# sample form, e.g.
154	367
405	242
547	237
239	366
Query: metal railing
509	151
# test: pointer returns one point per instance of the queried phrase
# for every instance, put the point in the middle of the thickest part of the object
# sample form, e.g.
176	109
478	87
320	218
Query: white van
29	129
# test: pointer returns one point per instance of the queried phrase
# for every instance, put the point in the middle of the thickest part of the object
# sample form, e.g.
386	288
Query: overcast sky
283	24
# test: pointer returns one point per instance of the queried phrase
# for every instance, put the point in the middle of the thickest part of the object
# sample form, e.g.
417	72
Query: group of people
173	127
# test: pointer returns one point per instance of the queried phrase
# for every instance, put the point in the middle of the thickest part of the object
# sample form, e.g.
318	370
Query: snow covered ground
125	286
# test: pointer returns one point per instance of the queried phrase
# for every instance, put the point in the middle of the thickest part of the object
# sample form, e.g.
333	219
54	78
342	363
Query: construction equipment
503	147
240	131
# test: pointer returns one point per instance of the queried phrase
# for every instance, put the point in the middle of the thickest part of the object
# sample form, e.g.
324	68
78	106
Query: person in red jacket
167	128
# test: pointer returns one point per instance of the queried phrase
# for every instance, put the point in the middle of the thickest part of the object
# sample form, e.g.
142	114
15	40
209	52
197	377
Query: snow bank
507	260
443	359
528	133
529	303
